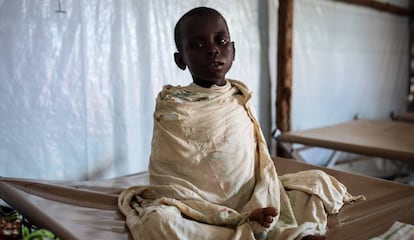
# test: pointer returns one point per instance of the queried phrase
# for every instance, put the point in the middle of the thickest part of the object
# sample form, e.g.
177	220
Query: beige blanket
210	167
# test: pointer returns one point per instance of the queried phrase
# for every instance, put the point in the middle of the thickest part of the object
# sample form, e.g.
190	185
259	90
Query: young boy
204	46
210	170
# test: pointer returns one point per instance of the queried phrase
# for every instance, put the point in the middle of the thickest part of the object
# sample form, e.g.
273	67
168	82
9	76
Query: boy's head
204	46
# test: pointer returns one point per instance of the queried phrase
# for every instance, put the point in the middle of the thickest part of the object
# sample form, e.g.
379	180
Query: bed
406	117
88	209
377	138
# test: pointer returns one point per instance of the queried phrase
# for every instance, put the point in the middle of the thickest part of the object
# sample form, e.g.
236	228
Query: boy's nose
213	49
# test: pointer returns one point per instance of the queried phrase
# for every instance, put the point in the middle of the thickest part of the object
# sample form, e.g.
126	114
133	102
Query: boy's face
207	49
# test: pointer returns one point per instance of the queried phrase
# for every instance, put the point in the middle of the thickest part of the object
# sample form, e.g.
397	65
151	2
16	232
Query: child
204	45
210	170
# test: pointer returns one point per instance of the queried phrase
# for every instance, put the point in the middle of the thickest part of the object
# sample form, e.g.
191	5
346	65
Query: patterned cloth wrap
14	225
210	168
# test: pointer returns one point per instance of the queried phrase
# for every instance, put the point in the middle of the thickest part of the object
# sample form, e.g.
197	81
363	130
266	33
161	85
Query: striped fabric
398	231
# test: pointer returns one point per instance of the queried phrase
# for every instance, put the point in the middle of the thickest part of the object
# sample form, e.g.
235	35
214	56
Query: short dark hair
199	11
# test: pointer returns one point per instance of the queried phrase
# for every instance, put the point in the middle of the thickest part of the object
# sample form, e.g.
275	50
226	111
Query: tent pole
382	6
410	105
284	66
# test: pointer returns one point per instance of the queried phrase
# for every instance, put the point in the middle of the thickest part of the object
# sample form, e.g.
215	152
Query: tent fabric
77	86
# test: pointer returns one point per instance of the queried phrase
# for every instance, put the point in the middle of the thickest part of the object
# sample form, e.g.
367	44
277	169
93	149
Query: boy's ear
234	50
178	58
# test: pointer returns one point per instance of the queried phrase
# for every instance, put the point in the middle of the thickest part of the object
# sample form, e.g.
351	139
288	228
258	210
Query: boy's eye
222	41
197	44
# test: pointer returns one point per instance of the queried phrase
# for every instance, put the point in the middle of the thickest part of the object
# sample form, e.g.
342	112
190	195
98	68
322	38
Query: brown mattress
406	117
379	138
88	209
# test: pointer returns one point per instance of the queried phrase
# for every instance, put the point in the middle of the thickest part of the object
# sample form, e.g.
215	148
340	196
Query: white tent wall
347	60
78	87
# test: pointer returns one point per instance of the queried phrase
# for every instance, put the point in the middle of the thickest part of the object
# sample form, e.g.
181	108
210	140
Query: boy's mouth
215	65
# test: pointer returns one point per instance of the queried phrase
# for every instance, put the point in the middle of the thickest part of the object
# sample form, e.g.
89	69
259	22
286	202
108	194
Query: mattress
378	138
406	117
88	209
